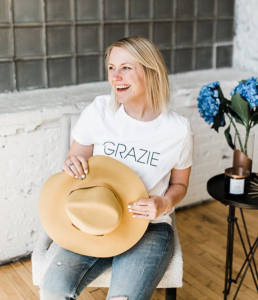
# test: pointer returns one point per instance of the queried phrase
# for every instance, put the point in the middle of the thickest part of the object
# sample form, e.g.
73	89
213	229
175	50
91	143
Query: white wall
30	143
246	38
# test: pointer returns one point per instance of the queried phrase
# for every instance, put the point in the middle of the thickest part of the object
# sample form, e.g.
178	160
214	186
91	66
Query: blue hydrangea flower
248	91
208	101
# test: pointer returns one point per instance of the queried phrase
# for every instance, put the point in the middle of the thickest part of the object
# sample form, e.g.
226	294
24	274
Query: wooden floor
202	232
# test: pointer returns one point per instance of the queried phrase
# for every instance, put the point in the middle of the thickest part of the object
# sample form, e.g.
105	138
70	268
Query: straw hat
90	216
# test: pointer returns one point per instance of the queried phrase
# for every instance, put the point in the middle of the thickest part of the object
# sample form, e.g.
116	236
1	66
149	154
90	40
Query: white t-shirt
151	149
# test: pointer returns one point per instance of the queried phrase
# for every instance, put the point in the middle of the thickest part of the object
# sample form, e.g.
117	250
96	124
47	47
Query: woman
135	126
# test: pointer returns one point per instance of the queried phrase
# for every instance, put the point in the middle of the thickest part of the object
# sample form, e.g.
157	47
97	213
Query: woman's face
126	76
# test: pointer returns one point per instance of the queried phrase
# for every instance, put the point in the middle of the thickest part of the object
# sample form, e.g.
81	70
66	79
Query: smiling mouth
122	88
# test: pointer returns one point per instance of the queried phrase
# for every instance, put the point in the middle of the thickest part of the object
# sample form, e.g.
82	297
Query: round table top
215	187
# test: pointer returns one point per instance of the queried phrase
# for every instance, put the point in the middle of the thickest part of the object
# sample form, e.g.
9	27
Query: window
52	43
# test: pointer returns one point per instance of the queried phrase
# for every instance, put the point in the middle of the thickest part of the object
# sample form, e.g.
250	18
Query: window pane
204	32
4	11
60	72
6	43
58	10
114	9
163	34
112	33
59	40
206	8
184	32
139	9
88	10
204	58
185	8
163	8
29	41
26	11
6	77
88	69
183	60
224	56
88	38
224	30
140	29
226	8
30	74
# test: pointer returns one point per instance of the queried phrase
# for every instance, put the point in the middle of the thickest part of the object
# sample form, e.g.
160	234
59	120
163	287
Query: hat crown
94	210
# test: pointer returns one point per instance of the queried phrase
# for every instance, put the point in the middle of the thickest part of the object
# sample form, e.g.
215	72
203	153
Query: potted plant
240	109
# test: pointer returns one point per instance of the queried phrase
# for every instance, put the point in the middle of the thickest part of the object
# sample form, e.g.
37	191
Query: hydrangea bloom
208	102
248	91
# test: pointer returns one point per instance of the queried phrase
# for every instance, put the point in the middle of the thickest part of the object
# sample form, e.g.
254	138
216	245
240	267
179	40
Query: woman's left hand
149	208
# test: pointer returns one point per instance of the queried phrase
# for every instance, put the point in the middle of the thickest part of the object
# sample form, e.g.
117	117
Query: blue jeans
135	273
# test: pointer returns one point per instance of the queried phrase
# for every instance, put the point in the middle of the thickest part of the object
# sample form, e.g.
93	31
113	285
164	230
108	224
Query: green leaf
235	116
220	92
216	124
219	120
241	107
229	138
254	119
239	121
223	100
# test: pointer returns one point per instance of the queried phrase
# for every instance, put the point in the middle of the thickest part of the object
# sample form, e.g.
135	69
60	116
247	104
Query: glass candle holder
236	180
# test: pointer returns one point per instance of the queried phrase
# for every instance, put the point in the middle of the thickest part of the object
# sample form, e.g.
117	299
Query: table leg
249	261
250	248
229	254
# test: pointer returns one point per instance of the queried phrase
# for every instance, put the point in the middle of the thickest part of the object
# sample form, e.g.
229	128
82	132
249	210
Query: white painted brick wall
30	143
246	36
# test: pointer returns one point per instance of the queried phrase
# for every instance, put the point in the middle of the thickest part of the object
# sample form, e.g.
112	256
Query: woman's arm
76	161
178	186
156	205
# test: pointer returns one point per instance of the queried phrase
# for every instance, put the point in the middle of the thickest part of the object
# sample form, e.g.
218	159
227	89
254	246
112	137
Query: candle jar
236	180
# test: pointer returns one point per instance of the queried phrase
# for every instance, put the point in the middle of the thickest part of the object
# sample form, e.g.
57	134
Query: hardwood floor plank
99	294
27	264
206	277
158	294
8	286
19	283
192	292
206	292
26	276
183	294
3	295
86	295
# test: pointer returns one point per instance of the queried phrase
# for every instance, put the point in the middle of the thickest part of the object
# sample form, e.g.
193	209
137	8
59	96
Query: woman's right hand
76	166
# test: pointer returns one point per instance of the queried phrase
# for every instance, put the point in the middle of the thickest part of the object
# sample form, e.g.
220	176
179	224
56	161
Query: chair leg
171	294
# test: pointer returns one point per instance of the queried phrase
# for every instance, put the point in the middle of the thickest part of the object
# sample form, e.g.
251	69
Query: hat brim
55	221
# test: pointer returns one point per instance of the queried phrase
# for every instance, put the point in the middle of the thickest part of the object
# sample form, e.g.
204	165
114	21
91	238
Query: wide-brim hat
90	216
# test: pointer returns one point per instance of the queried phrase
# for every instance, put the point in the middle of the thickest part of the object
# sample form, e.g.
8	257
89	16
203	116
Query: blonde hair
155	71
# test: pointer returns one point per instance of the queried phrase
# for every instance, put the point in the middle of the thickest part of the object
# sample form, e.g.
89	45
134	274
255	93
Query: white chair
44	249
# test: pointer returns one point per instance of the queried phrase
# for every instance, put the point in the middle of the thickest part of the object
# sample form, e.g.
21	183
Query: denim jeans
135	273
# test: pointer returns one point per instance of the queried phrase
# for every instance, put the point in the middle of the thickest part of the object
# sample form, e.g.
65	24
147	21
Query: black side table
215	187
